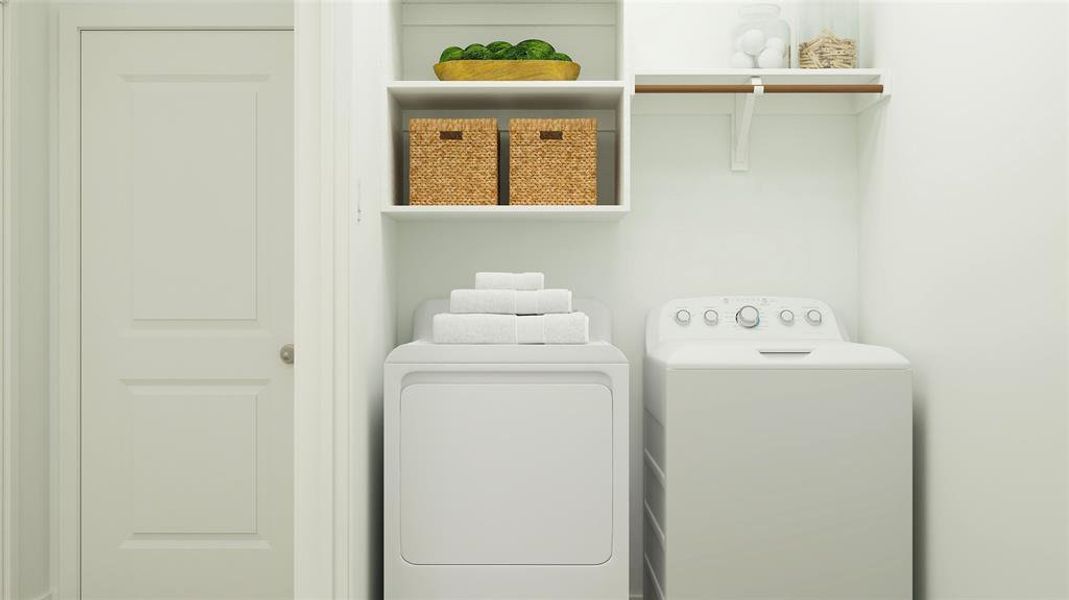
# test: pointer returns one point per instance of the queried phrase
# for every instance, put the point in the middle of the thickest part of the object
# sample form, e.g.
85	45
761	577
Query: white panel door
187	297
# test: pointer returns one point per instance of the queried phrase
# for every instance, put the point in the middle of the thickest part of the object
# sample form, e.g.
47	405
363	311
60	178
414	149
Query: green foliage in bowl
537	49
526	50
451	53
476	52
497	48
516	53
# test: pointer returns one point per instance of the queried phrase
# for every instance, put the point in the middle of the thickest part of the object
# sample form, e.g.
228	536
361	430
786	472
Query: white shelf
770	76
446	95
744	93
771	104
506	213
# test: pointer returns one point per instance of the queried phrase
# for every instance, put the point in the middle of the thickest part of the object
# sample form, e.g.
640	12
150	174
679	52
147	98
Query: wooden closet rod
770	88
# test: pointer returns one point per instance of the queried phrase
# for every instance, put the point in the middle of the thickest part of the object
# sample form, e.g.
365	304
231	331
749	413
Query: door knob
286	354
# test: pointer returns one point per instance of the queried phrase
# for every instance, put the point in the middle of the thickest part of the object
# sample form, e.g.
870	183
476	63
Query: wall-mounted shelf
590	31
505	213
770	76
742	93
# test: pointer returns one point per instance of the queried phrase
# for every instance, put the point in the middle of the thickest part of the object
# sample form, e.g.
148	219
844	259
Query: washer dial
787	316
748	316
814	317
711	317
683	316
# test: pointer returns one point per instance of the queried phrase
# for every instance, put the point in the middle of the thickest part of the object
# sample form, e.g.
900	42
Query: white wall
30	82
963	246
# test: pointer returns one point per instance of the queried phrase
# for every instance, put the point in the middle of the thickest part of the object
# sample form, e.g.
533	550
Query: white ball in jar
752	41
770	58
741	60
776	43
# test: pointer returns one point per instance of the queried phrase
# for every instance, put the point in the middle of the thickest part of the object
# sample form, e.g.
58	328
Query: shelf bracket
864	102
741	119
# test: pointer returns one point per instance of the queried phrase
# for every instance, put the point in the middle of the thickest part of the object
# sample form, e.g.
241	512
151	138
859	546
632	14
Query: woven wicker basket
553	161
452	161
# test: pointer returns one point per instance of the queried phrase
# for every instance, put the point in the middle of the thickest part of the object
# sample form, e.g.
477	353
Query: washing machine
778	455
506	467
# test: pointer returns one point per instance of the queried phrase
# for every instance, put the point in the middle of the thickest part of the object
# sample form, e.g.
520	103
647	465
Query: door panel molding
321	276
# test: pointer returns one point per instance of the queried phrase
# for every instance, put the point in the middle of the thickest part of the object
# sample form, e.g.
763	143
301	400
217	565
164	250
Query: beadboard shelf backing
606	101
585	30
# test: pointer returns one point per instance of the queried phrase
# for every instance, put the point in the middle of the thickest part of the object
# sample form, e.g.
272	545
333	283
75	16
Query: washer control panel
744	318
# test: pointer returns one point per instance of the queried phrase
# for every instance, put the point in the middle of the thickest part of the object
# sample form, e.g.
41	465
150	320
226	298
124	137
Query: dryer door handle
786	352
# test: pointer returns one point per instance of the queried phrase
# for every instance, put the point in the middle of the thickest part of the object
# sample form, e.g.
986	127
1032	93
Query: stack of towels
511	308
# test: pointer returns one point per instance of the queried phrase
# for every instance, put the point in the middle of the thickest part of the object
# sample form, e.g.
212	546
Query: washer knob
748	316
711	317
814	317
683	316
787	316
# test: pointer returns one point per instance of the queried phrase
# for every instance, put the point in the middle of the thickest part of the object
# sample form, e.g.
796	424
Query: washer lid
772	355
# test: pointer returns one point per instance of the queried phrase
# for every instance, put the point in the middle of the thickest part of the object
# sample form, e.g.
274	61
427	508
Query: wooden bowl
507	70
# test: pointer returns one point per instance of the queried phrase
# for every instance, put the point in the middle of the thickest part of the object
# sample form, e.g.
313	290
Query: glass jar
827	34
761	39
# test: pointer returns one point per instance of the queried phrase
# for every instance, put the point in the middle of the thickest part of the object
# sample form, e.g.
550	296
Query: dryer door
506	474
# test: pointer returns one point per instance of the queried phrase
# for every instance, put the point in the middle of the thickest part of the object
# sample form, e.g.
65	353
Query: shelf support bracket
864	102
741	119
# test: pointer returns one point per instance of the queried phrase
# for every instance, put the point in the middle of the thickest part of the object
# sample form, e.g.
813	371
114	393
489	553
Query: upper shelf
446	95
768	76
783	91
742	93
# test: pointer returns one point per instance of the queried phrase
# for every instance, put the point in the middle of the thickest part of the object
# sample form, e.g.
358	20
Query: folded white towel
510	302
570	328
509	281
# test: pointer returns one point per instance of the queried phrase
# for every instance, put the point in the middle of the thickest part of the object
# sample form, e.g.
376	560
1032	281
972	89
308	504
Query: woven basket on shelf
553	161
452	161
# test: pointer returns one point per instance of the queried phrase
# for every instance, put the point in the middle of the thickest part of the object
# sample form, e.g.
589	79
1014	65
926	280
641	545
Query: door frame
8	431
322	428
321	279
